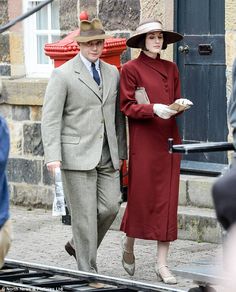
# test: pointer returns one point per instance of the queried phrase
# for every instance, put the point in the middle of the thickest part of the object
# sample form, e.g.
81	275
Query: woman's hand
163	111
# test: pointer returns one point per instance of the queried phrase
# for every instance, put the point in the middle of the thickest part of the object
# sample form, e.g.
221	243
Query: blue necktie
95	74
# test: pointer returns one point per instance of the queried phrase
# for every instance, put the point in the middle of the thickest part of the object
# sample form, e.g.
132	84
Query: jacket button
100	136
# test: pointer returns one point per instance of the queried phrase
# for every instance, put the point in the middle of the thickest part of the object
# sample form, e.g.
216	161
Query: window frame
33	69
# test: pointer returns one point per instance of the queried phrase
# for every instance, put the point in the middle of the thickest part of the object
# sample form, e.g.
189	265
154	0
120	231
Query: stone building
25	70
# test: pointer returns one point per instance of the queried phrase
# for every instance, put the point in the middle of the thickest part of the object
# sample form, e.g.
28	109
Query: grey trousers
93	198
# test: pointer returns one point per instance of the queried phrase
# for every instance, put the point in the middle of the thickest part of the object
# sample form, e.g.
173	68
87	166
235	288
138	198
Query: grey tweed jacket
75	115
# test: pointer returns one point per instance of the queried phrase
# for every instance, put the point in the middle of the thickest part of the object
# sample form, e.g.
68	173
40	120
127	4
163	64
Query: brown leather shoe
69	248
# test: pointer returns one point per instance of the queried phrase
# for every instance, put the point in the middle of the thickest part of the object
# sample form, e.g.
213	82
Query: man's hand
51	166
121	164
163	111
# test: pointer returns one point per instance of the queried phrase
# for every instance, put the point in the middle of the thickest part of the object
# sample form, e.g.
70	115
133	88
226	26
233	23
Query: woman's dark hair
141	43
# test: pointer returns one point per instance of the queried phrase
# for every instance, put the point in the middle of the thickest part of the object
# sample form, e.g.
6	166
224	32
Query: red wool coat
151	211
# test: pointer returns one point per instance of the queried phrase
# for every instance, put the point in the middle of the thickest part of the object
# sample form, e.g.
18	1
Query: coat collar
87	79
156	64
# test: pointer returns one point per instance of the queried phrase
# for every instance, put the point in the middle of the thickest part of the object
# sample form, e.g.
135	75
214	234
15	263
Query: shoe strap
128	252
162	266
123	246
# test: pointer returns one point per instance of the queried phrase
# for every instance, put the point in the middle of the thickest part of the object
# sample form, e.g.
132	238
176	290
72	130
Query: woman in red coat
151	211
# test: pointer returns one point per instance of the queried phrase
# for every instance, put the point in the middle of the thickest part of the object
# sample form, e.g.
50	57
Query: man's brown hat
91	30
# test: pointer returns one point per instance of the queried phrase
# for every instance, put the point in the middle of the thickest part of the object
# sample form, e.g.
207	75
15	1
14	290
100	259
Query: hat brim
85	39
169	38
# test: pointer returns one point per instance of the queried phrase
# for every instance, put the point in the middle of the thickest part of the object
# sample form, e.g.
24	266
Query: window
40	28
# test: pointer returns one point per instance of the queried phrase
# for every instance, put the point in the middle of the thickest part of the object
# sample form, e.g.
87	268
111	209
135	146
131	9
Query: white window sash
33	69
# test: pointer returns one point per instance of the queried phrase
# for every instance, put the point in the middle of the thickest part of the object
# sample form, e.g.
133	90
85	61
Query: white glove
163	111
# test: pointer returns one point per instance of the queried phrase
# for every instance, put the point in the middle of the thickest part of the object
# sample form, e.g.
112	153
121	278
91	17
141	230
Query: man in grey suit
84	134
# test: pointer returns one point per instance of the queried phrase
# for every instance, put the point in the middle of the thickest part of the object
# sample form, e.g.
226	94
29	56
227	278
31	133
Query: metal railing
23	16
200	147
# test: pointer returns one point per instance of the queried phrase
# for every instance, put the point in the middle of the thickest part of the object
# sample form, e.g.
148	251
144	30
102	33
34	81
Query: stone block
18	70
68	15
15	130
16	48
152	9
6	111
3	12
230	41
47	178
21	170
119	15
5	70
198	225
31	196
24	91
183	191
126	55
4	48
230	12
32	139
15	8
199	191
35	113
20	113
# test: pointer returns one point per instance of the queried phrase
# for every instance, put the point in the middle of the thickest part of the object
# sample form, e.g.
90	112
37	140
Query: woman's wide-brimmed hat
90	31
136	41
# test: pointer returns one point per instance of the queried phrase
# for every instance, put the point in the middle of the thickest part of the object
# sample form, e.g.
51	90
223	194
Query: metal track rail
23	276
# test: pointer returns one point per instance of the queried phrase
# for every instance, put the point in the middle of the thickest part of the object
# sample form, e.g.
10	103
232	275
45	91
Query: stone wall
21	104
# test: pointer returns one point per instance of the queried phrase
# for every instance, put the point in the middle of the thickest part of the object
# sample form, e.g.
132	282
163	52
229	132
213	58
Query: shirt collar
87	63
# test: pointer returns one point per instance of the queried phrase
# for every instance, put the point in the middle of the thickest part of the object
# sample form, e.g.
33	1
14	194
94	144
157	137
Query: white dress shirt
87	64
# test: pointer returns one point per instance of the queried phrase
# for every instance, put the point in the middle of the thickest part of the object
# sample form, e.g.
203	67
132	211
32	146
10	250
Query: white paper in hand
58	207
181	104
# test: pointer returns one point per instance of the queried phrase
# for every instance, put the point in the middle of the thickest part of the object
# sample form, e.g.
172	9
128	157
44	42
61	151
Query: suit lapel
85	77
106	80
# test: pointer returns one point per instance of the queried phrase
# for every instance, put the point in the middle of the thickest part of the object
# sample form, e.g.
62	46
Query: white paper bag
58	207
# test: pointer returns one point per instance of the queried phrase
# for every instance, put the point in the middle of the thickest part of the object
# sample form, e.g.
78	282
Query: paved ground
40	238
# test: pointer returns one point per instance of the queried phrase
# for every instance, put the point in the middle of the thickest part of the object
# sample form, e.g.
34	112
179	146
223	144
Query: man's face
92	50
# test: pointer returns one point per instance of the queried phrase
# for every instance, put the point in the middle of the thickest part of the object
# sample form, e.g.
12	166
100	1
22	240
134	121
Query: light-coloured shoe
165	275
129	268
96	285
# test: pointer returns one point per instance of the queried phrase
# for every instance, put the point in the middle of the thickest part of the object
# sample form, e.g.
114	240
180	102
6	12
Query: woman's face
154	42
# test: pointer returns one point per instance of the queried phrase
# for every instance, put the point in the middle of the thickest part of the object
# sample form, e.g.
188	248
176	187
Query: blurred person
84	134
224	189
153	186
224	198
5	224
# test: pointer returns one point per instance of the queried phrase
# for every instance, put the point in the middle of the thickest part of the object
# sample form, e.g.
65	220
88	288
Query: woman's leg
163	249
162	269
128	255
